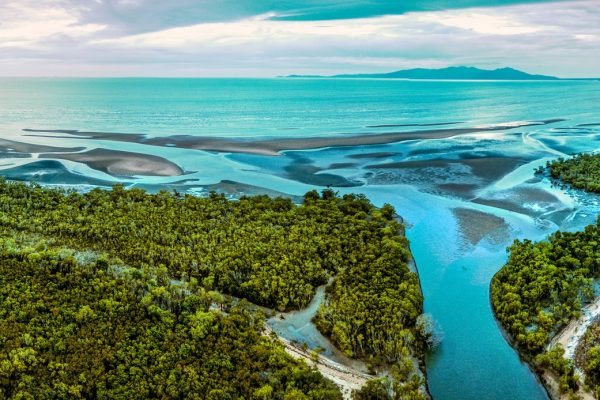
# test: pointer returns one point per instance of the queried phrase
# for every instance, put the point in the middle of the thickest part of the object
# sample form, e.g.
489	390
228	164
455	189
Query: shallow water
441	184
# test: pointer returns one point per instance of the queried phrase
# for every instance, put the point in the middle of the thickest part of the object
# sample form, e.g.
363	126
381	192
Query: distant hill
450	73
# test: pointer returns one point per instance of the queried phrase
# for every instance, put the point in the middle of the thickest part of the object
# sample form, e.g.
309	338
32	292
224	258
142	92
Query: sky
261	38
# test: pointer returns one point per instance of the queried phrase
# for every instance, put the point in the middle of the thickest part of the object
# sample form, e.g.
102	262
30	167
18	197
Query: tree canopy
95	331
582	171
266	250
544	285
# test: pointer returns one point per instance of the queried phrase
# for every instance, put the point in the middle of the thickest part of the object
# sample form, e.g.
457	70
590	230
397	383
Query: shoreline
412	265
509	339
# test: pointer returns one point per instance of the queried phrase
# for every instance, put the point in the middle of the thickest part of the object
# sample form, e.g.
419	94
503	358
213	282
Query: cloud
142	16
27	23
555	38
259	31
482	23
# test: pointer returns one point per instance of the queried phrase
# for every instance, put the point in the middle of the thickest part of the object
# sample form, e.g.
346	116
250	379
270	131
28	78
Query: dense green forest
266	250
370	312
582	171
542	287
75	327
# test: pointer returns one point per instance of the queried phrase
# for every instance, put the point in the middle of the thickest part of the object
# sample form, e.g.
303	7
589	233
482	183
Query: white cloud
27	24
256	30
555	38
480	22
585	37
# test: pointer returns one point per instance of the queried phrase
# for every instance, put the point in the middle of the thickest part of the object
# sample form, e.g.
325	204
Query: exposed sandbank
381	154
460	190
411	125
50	172
525	200
273	147
121	163
487	168
21	147
455	177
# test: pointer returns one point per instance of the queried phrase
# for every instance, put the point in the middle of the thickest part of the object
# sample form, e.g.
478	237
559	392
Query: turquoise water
466	195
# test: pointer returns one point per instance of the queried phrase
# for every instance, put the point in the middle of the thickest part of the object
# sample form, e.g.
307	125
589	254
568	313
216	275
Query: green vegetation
541	288
396	386
554	361
587	356
582	171
268	251
544	285
371	312
72	330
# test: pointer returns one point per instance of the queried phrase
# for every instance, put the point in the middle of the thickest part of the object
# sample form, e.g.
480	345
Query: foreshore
273	147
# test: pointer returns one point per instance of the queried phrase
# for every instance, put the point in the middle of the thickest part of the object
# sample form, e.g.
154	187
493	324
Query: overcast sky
269	38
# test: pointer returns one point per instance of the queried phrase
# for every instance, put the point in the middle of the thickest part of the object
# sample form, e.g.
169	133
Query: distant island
450	73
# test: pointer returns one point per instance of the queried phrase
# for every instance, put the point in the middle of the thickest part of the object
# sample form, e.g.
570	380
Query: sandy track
572	333
568	338
346	378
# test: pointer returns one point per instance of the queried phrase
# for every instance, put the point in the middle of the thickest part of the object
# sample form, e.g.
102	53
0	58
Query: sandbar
121	163
272	147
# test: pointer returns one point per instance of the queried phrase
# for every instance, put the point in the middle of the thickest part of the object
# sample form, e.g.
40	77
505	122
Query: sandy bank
568	338
272	147
22	147
121	163
346	378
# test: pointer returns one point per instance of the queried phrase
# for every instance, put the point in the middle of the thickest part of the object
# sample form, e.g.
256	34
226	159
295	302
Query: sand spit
411	125
51	172
381	154
121	163
20	147
272	147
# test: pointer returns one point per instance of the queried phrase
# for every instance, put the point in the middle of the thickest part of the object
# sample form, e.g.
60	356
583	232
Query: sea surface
456	159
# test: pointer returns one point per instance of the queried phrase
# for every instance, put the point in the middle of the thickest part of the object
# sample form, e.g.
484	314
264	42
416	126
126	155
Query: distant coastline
449	73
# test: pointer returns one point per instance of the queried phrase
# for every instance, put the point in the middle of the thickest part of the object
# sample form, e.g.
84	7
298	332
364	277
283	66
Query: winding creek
465	194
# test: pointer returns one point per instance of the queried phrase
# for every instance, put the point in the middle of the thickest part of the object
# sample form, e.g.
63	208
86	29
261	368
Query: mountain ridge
448	73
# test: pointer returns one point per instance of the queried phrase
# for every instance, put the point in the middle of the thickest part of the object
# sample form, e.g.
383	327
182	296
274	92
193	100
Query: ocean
456	159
